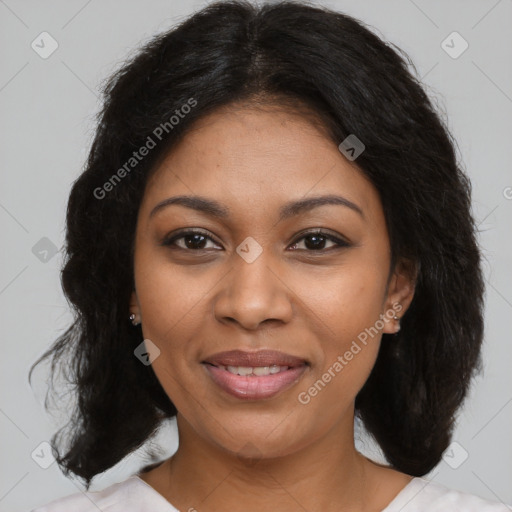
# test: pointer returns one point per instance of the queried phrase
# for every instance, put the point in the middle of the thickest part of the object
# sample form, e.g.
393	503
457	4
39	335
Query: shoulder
423	495
130	495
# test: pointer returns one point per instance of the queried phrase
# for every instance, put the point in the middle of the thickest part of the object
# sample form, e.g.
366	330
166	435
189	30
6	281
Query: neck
327	474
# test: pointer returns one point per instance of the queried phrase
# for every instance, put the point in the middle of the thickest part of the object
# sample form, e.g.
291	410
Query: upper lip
254	359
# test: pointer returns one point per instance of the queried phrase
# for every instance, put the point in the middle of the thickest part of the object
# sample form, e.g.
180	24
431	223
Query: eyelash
318	232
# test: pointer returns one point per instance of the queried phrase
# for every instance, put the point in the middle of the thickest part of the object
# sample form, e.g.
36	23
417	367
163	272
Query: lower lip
254	387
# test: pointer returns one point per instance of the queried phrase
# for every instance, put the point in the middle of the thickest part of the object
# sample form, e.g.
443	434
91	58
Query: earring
398	320
132	318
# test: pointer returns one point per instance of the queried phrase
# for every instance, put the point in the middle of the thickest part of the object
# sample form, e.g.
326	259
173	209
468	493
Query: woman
274	204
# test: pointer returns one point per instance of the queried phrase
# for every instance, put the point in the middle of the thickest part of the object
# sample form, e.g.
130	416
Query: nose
253	293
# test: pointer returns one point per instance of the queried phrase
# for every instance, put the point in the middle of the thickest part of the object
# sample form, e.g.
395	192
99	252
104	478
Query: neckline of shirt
415	484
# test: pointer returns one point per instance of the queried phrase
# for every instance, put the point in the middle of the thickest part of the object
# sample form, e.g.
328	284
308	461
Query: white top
135	495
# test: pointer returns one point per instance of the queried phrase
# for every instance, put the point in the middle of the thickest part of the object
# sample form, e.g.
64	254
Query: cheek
347	309
171	297
171	309
346	364
345	301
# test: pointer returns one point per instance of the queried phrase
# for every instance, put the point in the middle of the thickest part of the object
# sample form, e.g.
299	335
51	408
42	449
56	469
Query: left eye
317	241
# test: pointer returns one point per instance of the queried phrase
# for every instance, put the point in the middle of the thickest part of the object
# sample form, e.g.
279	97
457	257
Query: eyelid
340	241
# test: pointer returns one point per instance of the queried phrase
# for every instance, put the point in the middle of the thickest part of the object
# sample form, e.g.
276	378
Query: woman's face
256	279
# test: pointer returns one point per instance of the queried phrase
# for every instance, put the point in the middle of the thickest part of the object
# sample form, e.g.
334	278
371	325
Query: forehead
258	159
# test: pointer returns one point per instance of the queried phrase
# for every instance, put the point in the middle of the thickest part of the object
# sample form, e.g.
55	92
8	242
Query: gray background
47	122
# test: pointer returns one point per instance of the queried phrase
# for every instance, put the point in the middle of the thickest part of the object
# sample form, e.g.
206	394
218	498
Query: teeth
261	370
255	371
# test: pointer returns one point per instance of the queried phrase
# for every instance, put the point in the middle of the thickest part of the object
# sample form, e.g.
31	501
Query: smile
254	383
254	371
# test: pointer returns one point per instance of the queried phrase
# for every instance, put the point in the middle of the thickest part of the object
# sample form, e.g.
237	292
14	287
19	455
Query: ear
400	293
134	306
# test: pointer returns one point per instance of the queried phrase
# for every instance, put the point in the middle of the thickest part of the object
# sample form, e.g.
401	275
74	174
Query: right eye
193	240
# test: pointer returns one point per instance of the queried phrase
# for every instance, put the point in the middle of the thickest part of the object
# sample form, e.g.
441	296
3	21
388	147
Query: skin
275	453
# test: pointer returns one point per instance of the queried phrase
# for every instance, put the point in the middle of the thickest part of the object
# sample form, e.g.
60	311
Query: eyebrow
215	209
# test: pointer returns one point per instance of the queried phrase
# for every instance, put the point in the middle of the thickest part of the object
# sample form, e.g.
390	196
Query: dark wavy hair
306	58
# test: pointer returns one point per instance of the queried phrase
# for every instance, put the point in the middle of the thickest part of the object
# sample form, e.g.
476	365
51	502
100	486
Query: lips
254	375
255	359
